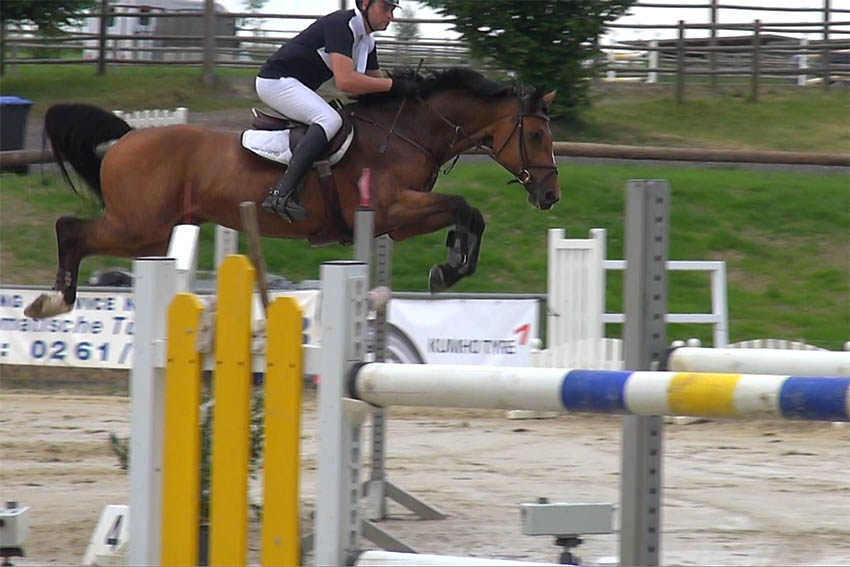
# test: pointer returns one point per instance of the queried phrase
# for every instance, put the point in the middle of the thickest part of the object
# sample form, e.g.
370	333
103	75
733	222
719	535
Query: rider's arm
375	73
351	82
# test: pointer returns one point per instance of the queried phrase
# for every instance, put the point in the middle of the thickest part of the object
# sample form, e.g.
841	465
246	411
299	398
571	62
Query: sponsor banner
98	333
467	331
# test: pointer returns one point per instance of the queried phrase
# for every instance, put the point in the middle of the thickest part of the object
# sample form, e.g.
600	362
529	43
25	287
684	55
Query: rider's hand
404	87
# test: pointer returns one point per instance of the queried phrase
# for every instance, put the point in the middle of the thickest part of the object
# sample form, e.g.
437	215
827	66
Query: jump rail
746	396
761	360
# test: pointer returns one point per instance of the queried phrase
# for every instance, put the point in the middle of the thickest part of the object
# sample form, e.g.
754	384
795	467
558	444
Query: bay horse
152	179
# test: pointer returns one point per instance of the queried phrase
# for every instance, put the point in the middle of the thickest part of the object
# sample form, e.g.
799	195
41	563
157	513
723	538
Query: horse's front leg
464	244
414	212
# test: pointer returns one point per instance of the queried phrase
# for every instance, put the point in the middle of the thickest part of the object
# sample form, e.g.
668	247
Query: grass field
785	236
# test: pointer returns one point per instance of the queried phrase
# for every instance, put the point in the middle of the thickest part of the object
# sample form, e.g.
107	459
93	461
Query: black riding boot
283	197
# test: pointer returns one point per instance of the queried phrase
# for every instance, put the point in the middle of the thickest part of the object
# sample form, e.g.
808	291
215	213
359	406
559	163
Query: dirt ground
735	493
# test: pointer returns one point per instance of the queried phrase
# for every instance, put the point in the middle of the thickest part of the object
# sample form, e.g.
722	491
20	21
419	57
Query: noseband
524	177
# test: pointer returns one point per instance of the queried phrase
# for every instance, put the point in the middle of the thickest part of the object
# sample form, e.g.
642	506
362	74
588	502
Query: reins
523	177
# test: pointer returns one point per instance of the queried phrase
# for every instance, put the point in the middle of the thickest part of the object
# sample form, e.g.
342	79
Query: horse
152	179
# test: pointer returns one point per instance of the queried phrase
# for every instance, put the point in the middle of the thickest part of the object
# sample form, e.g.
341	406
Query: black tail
75	131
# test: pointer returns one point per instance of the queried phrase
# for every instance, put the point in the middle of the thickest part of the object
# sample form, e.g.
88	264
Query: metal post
644	338
754	87
376	486
680	64
155	284
337	528
209	43
364	234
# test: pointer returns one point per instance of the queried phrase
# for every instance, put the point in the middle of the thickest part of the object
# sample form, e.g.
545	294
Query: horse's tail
75	131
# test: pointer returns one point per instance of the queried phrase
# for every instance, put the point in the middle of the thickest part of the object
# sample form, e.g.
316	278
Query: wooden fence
759	52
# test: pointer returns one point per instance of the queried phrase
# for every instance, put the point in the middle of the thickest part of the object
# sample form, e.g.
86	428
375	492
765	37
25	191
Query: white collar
359	22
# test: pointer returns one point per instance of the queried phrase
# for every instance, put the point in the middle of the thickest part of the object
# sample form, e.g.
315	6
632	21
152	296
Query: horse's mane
451	78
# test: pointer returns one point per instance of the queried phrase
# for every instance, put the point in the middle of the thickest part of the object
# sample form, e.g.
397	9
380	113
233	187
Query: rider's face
380	14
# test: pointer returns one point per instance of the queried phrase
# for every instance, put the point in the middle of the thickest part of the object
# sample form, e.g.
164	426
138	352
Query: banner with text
98	333
466	331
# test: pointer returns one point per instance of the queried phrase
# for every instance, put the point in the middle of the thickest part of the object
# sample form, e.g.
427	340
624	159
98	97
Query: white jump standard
641	394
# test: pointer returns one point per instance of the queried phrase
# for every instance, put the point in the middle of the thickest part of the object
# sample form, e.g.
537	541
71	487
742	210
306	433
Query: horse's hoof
436	281
47	305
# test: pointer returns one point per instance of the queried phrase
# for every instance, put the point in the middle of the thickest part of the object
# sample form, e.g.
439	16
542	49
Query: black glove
404	88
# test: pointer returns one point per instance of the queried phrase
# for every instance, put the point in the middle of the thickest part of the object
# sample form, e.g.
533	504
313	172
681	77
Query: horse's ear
549	97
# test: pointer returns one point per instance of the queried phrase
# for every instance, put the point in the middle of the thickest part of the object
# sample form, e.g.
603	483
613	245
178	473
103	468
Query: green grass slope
783	235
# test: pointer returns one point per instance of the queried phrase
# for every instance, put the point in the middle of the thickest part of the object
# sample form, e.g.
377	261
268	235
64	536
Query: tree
253	6
406	32
47	15
546	43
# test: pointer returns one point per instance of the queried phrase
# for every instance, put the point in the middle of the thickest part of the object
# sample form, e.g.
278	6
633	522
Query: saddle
265	140
337	146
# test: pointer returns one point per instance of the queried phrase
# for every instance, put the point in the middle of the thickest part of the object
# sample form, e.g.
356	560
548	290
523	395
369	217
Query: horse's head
522	144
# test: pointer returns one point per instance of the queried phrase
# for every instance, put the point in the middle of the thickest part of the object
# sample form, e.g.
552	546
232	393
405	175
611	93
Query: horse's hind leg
69	243
77	238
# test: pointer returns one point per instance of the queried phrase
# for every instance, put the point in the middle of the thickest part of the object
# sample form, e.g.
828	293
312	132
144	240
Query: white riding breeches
293	99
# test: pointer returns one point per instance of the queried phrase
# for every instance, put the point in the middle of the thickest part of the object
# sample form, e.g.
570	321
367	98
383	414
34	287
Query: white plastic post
155	285
803	62
183	247
344	306
652	76
719	306
181	115
226	242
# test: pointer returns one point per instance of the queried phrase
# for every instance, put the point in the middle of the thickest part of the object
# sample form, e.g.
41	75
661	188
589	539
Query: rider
339	45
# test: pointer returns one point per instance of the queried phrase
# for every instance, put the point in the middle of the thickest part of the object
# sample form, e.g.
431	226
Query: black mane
451	78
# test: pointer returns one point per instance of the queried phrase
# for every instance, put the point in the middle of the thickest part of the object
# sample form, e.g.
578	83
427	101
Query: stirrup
270	203
293	209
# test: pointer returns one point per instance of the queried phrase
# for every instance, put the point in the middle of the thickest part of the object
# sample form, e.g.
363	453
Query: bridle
523	176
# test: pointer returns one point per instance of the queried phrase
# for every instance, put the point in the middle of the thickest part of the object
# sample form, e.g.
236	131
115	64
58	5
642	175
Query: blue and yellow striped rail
753	396
231	440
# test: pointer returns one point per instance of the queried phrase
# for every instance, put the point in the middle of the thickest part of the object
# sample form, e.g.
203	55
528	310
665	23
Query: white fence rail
576	317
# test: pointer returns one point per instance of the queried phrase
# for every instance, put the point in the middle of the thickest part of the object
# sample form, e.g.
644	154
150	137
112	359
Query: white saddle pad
274	145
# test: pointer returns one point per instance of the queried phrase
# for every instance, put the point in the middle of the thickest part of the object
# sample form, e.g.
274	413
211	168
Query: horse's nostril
550	197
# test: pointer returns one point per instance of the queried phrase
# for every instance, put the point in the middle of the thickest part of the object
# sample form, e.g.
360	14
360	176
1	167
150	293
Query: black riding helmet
393	3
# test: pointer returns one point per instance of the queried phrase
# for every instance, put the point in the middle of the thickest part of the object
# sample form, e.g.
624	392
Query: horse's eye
537	136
